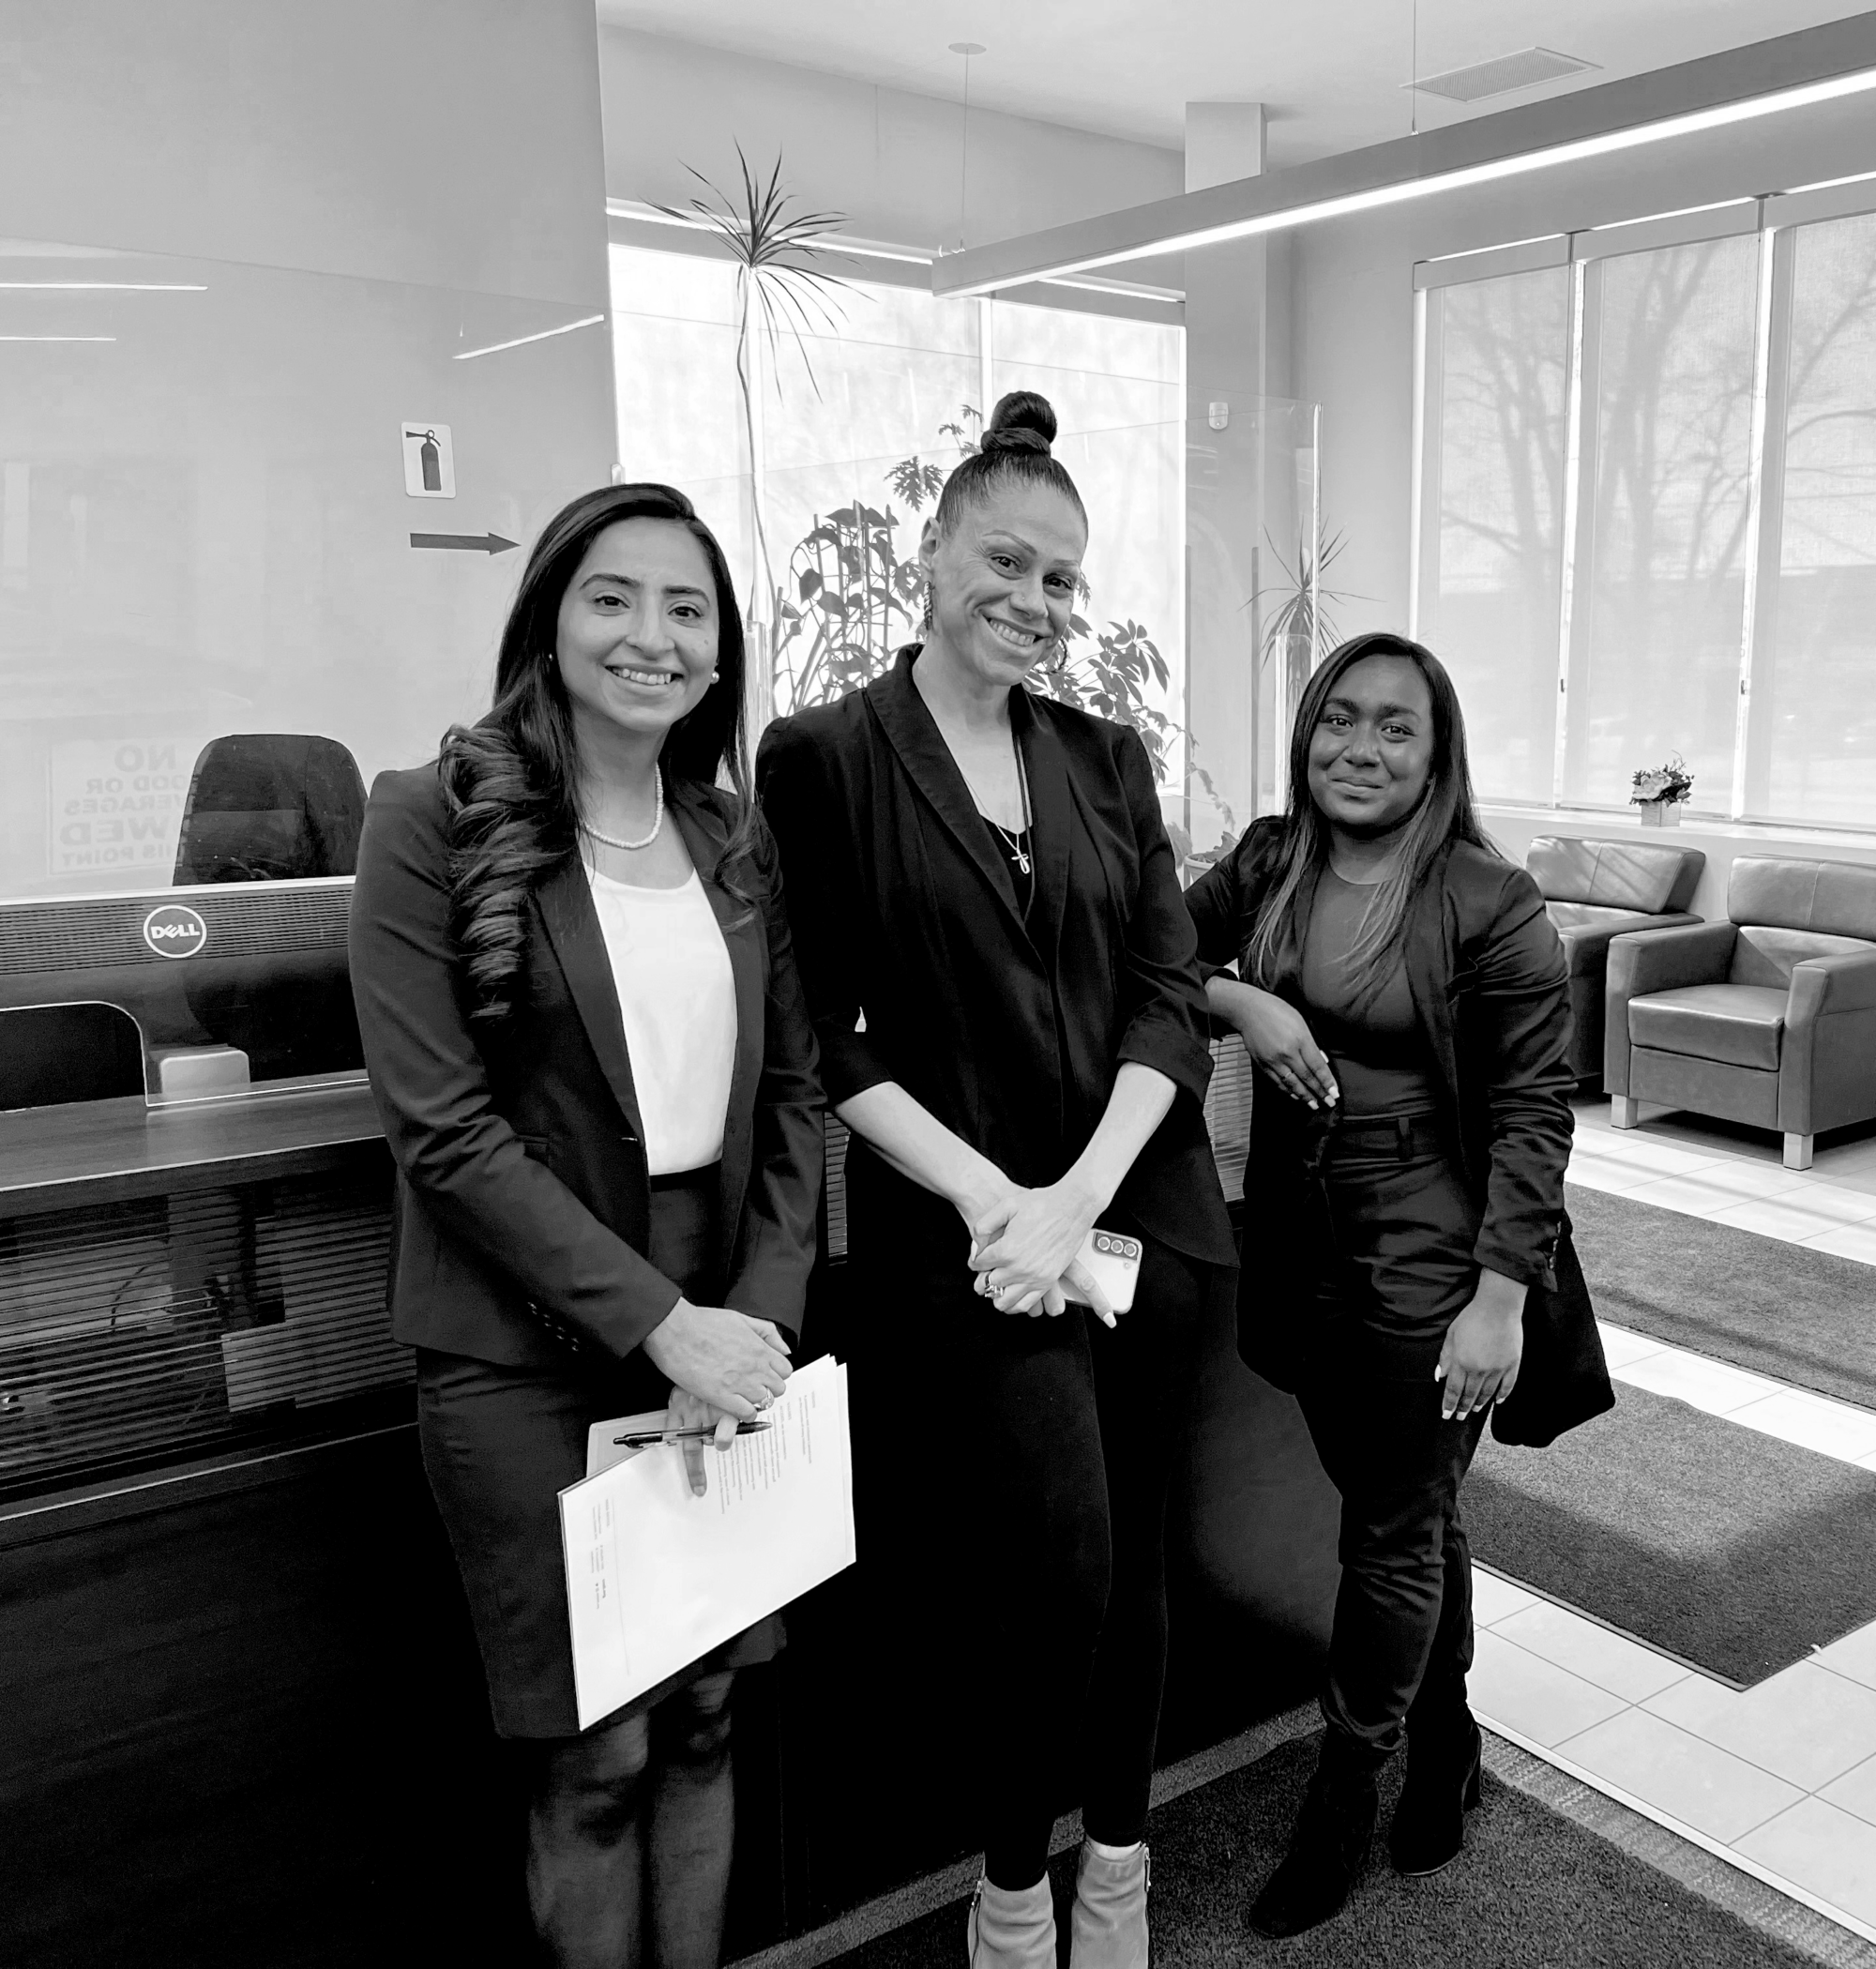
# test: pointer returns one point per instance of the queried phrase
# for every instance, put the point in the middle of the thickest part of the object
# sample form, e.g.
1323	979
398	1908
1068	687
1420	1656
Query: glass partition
256	534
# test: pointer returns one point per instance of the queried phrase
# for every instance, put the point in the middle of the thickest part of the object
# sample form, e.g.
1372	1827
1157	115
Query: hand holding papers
656	1577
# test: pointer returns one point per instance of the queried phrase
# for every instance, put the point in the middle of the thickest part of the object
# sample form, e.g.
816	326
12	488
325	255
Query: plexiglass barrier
255	545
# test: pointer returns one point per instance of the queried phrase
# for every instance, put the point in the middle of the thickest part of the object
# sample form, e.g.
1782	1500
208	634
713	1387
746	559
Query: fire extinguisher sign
430	461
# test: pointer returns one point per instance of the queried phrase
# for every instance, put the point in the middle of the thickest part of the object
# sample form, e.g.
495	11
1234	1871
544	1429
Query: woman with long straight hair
1401	987
593	1061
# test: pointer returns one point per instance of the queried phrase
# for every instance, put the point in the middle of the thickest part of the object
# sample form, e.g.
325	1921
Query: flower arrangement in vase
1661	791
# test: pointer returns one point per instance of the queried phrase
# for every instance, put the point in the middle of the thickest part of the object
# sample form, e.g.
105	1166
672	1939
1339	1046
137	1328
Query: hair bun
1022	421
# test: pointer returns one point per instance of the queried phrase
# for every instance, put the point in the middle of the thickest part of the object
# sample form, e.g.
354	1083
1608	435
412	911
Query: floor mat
1734	1550
1533	1889
1778	1308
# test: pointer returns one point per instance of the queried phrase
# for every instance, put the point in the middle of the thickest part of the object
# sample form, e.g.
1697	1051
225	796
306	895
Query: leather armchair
1768	1018
1594	891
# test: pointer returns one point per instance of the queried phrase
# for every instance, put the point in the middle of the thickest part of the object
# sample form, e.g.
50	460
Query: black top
1380	1056
921	966
1487	977
1014	847
524	1197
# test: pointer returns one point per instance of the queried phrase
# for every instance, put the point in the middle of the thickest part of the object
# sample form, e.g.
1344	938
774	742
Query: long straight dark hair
1446	813
512	778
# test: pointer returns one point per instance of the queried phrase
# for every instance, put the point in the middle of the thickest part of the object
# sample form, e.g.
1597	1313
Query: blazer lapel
914	736
565	904
704	835
1429	971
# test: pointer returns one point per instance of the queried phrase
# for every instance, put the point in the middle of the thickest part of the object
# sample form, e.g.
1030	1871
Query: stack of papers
656	1577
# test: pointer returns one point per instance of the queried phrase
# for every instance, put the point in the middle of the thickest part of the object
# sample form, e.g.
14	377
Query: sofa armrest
1586	948
1645	960
1827	1060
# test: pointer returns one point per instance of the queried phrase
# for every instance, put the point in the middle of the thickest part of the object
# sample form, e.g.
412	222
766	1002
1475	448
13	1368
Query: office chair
269	806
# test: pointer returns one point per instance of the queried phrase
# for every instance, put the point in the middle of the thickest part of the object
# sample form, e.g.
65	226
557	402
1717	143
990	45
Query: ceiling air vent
1501	75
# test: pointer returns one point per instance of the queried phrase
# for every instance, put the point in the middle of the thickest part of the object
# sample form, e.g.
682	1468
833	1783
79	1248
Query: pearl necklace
610	840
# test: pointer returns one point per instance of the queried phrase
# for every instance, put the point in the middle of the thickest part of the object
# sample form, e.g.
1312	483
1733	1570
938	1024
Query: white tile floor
1780	1778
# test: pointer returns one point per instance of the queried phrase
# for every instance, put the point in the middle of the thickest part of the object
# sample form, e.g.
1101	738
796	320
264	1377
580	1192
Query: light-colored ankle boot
1108	1929
1012	1928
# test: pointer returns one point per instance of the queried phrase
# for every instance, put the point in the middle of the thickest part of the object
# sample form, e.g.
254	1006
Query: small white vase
1660	813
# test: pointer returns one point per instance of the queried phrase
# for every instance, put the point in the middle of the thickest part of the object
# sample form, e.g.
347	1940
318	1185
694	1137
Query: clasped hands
1025	1248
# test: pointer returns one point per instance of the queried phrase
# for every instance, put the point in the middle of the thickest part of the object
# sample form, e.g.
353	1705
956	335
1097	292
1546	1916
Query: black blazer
1010	1030
523	1199
1487	979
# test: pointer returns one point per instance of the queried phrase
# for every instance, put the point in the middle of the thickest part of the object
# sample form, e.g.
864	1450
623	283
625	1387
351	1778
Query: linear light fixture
1794	72
520	341
57	337
102	287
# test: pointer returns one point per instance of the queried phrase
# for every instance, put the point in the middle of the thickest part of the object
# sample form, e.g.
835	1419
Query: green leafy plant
780	289
1303	622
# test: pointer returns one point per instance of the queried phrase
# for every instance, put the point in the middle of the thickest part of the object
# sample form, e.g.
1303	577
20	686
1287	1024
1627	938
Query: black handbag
1564	1378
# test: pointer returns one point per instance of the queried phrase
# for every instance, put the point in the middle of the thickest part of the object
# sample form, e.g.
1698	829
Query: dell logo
174	931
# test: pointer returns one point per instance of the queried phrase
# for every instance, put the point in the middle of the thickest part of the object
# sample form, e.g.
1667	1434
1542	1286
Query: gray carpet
1533	1890
1778	1308
1736	1552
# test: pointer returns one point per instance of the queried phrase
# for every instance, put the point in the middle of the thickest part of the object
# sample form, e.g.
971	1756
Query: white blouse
677	996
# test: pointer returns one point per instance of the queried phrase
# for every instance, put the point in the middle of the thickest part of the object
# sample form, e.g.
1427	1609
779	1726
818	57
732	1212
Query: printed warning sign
116	803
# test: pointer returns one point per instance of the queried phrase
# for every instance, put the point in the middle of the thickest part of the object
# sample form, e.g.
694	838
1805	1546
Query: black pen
644	1438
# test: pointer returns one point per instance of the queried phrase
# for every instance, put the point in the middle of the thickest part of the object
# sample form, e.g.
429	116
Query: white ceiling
1329	71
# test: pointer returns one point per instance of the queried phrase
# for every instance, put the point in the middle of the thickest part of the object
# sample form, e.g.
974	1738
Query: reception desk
245	1722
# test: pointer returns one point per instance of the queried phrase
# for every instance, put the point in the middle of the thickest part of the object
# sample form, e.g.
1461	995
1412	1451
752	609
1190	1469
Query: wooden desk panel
106	1151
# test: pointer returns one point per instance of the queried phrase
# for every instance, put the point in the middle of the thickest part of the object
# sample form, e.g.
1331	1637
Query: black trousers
1395	1232
1040	1553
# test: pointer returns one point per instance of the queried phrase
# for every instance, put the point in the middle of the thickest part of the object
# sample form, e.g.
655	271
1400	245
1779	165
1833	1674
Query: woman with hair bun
1004	984
589	1047
1403	993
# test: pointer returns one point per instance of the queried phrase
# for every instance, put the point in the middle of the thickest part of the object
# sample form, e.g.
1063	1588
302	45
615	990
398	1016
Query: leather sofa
1595	890
1768	1018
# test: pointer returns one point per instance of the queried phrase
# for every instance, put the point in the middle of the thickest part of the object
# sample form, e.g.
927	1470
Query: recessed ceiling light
1503	73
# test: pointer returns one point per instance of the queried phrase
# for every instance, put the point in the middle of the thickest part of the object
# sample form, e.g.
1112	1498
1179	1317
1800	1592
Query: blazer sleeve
1216	905
812	835
779	1235
1522	997
457	1153
1168	1021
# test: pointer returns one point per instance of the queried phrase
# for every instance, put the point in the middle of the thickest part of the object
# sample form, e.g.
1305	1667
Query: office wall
291	228
1352	326
887	159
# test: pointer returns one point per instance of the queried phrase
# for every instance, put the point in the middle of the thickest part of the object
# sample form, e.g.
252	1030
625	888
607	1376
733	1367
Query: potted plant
1661	791
780	289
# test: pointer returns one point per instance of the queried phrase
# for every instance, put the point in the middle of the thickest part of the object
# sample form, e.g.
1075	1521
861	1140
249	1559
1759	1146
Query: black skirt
499	1445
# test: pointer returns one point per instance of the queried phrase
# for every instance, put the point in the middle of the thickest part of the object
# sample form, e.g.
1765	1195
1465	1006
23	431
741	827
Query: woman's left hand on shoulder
1023	1250
1484	1347
687	1411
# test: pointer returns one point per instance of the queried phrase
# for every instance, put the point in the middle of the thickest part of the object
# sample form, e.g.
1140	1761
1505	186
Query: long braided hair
511	780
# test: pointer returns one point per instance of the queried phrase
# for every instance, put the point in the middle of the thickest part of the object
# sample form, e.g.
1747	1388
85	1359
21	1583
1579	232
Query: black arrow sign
466	542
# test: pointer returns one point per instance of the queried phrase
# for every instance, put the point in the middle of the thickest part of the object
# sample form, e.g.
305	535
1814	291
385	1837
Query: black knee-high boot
1329	1846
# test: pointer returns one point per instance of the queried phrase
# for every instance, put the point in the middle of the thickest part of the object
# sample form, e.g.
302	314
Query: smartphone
1114	1262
